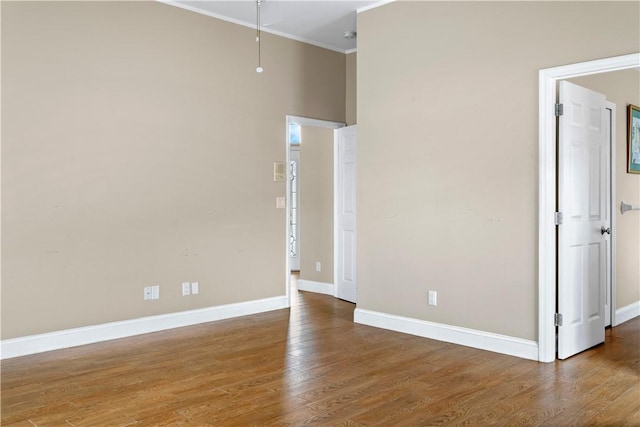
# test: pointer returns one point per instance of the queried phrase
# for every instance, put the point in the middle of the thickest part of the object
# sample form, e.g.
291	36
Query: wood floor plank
312	366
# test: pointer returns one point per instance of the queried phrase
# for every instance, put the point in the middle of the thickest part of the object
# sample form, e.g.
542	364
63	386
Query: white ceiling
318	22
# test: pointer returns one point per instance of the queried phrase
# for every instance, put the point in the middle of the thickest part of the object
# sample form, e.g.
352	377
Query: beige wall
351	91
623	88
316	204
137	148
448	151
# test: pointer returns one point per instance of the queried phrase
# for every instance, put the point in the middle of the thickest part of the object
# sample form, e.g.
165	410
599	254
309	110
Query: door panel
583	181
346	209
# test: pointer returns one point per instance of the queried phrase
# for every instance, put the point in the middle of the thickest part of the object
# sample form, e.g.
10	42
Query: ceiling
318	22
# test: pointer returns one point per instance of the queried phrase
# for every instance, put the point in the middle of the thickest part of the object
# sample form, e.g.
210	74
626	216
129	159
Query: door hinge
559	110
557	218
557	319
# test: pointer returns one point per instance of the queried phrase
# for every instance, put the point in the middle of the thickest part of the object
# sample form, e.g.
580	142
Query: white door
583	188
346	214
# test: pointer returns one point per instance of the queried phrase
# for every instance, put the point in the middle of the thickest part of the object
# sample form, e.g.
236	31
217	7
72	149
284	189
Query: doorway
312	285
547	256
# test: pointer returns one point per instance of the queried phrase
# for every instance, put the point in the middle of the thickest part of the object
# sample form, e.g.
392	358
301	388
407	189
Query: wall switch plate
279	171
195	288
318	266
155	292
186	289
281	203
147	292
433	298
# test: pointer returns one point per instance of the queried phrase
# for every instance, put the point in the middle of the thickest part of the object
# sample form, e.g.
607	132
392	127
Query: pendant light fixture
259	69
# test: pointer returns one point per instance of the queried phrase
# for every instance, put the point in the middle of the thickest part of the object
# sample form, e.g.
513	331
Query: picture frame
633	139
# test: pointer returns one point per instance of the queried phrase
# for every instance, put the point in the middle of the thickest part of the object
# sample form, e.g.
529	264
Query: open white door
583	192
346	214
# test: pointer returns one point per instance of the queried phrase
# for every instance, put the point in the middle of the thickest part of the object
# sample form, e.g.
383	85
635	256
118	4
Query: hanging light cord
258	4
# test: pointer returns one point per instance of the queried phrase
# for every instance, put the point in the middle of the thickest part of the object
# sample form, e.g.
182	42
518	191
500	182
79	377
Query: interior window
294	134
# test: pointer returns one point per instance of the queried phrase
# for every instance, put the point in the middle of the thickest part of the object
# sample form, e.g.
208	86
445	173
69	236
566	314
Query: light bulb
259	70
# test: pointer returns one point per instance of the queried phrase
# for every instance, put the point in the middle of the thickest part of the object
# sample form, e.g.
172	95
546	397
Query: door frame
306	121
547	176
611	289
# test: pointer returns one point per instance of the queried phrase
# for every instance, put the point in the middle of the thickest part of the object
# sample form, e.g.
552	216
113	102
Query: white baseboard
627	312
317	287
32	344
497	343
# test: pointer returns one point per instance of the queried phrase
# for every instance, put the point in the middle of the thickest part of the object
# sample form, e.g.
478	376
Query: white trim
350	51
626	313
547	188
263	29
497	343
22	346
373	6
336	213
317	287
306	121
613	212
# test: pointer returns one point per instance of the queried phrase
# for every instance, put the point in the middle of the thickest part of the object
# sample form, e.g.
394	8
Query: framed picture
633	139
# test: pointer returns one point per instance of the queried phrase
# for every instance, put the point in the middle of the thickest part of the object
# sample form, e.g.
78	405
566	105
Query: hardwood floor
313	366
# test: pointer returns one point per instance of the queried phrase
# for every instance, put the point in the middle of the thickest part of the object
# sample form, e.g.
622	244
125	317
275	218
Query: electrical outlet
147	292
195	288
433	298
186	289
318	266
155	292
